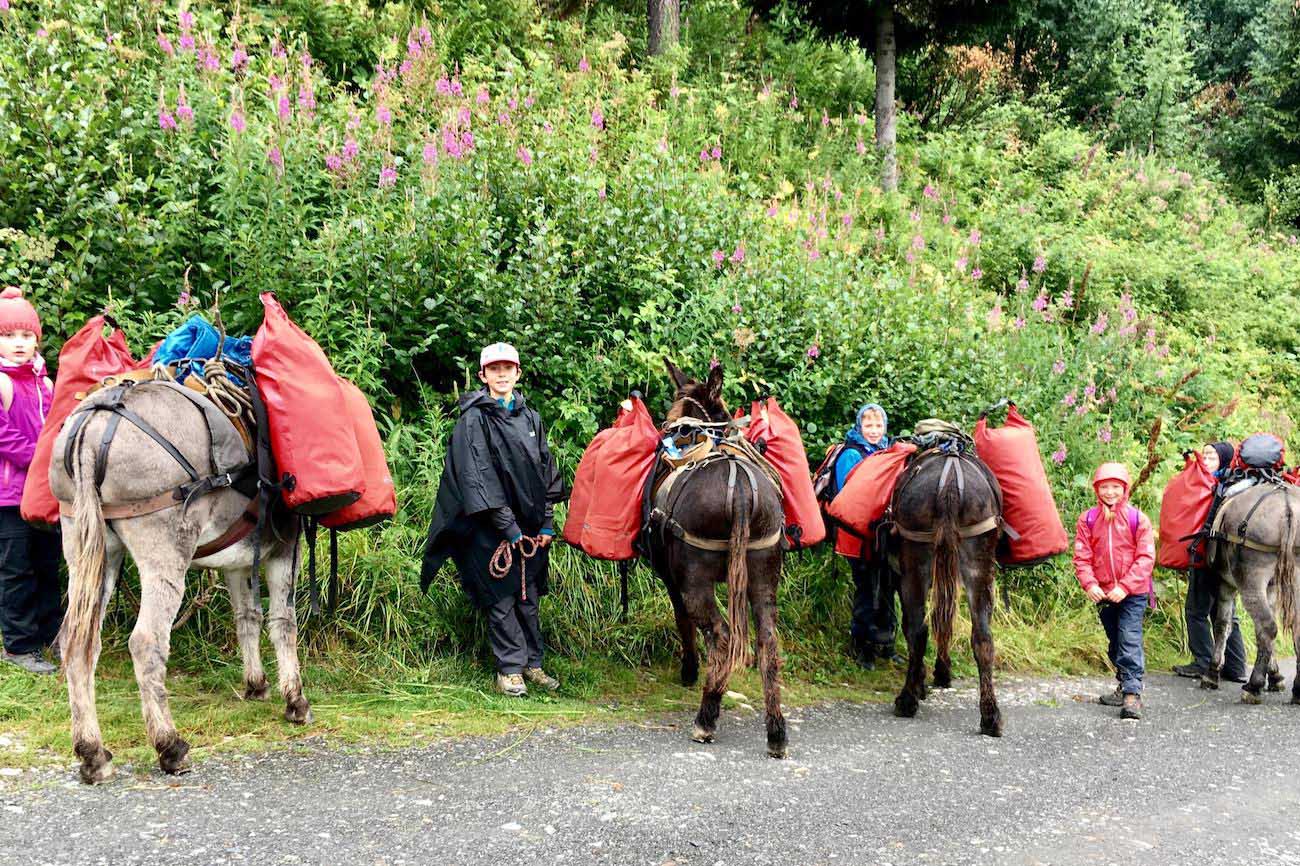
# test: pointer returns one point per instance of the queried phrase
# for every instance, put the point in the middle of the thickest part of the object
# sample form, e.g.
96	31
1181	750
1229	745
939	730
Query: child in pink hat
30	597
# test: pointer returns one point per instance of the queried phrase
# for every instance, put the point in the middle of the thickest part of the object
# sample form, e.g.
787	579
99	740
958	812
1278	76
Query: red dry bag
317	457
1183	509
378	501
605	508
1011	452
86	359
866	494
803	517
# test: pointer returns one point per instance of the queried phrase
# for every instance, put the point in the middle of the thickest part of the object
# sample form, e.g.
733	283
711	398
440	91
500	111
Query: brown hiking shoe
1112	699
511	685
541	679
1132	707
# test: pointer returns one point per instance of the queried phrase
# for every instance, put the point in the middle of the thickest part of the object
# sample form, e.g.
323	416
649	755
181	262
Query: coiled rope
503	560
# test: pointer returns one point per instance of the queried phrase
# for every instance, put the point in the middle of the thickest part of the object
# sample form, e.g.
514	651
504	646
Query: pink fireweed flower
334	162
208	60
1081	410
503	119
1040	302
350	148
42	33
482	97
814	254
547	128
1128	331
183	300
425	37
464	117
305	60
716	153
1059	455
1059	367
718	258
847	220
1104	435
276	159
277	50
600	193
529	101
512	104
597	118
880	232
430	153
413	48
237	121
946	219
384	115
443	86
861	147
960	264
915	216
306	98
1099	326
164	44
583	65
794	102
771	211
1019	323
1040	263
930	192
593	156
387	176
814	351
1067	300
354	121
910	258
184	112
165	119
736	308
1022	284
238	58
974	239
186	19
1090	390
738	255
284	108
994	317
704	156
187	42
273	83
1069	399
826	121
976	274
918	243
525	156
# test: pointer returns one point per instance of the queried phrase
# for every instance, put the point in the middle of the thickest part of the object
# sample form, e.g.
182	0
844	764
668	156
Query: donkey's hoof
991	727
1249	697
942	682
905	705
1276	684
1212	685
1295	698
298	711
256	691
777	750
97	768
701	735
174	757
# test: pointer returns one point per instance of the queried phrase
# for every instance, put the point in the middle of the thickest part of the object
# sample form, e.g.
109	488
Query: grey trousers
515	633
1202	599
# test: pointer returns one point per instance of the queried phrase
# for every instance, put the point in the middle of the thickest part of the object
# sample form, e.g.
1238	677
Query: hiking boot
1192	671
511	685
1112	699
1132	707
889	655
30	662
865	657
541	678
1234	677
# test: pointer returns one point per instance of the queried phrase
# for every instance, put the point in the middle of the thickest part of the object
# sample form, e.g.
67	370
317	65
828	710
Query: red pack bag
319	463
866	494
1011	452
605	515
86	359
804	526
378	500
1183	509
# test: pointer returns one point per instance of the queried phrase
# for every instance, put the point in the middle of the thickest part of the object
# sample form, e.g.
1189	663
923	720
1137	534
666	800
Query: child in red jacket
1114	554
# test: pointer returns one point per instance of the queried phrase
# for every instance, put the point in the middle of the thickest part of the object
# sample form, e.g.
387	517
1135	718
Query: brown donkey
947	509
720	522
119	485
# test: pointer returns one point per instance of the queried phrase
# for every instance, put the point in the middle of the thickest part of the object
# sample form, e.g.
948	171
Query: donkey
1253	550
107	481
947	509
720	523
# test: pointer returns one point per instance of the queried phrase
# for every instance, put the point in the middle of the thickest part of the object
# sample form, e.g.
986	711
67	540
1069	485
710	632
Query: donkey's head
702	400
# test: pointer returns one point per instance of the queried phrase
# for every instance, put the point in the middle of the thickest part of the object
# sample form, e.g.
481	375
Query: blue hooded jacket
858	447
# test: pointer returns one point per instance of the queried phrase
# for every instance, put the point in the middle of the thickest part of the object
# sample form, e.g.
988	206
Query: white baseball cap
498	352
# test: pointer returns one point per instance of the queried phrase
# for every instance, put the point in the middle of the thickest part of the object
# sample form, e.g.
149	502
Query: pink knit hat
16	314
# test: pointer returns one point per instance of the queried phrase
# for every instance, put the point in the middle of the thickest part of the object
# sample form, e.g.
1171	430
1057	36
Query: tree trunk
665	20
886	122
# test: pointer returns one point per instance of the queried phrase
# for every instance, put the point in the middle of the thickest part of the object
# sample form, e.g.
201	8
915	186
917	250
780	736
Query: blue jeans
1123	624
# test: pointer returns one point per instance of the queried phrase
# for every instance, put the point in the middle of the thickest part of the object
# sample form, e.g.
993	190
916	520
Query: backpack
1090	519
823	480
1260	451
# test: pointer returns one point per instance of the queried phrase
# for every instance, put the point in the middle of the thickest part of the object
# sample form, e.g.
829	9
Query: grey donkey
1253	551
136	470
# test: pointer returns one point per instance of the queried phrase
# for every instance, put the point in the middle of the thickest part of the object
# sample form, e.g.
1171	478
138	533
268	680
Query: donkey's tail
86	581
1284	573
946	576
738	579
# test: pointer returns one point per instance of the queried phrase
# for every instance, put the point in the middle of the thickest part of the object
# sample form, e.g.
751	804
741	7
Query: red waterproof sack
866	494
605	507
84	360
1183	509
378	500
319	463
1011	452
804	526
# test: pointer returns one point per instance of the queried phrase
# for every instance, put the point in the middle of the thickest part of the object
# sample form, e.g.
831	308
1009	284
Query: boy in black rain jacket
493	517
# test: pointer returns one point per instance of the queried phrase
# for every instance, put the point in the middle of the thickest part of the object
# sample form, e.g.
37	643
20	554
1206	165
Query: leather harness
183	494
1240	538
952	466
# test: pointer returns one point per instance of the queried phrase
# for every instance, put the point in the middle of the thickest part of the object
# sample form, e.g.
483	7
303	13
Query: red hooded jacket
1110	552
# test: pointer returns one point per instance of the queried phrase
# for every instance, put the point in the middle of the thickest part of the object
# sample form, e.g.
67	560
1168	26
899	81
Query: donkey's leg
281	574
762	599
1260	603
79	667
697	595
1295	683
978	577
686	629
162	588
248	629
914	587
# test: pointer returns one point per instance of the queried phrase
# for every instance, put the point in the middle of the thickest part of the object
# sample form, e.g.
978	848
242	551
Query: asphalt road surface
1202	780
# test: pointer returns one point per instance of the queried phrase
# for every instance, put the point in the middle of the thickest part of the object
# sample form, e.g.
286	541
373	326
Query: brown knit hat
17	314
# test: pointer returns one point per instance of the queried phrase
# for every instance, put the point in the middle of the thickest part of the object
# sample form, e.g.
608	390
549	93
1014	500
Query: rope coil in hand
503	559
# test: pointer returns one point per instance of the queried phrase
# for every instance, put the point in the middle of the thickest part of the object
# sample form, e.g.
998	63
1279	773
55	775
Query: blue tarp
197	340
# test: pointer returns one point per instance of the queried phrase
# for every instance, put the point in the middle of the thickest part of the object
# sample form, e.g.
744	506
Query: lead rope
503	560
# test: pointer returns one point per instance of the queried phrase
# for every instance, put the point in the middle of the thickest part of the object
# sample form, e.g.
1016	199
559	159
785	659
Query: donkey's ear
679	378
714	385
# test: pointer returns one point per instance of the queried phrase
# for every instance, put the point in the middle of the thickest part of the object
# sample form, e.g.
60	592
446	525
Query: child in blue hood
874	620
